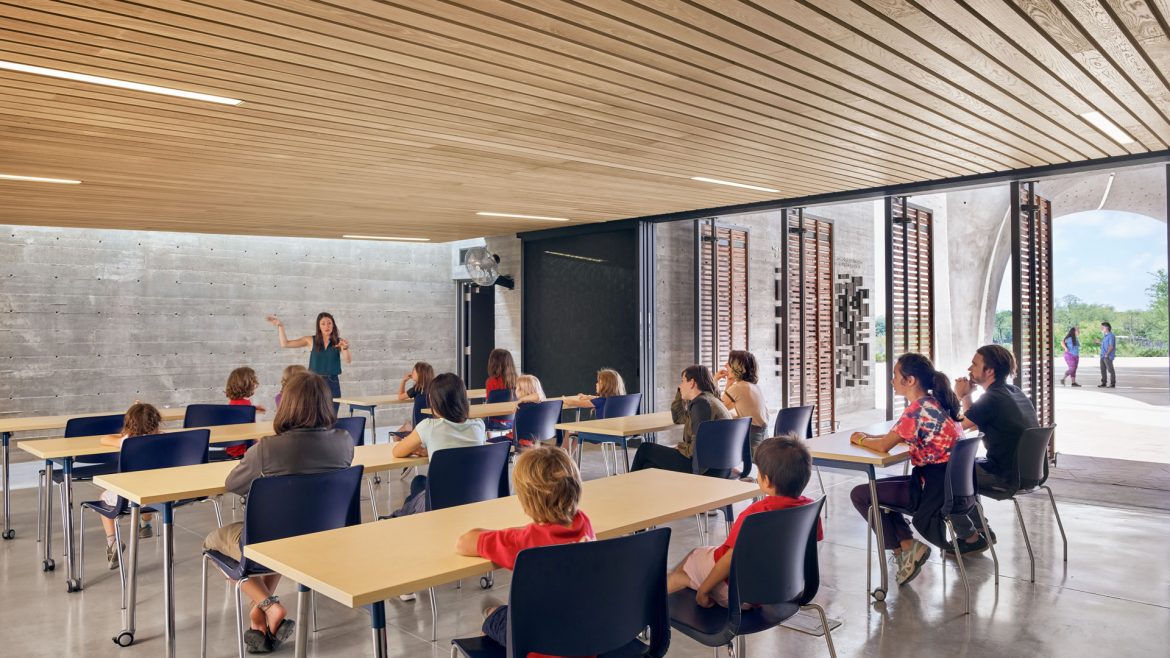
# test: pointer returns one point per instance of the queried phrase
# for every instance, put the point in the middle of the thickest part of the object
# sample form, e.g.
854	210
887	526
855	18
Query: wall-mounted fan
483	268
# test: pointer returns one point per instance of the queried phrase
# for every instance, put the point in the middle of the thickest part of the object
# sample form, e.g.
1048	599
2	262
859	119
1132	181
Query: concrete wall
508	326
91	320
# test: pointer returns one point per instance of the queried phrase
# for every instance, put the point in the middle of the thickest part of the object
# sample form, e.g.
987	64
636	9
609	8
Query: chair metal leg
81	553
121	560
1027	540
824	491
203	611
434	615
373	497
869	549
240	615
825	626
625	455
218	512
454	651
959	559
699	522
987	536
313	605
40	505
1059	524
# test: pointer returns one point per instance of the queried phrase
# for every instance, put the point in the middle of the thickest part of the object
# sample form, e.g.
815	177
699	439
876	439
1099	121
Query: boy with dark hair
785	466
1108	352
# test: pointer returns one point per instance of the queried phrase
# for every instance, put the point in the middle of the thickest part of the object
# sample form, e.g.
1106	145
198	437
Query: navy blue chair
356	427
615	406
500	423
207	415
959	498
461	476
536	421
563	601
718	449
797	421
1031	476
84	468
416	414
773	567
283	506
142	453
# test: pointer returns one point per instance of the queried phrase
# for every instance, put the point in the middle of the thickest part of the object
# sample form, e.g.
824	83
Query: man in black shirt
1001	414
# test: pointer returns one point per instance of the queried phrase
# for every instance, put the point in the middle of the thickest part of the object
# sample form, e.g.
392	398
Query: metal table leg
378	628
47	562
9	533
168	537
72	583
302	640
879	593
126	637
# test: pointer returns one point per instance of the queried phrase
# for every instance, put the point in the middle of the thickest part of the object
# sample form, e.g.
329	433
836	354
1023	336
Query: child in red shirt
785	467
501	370
548	485
241	386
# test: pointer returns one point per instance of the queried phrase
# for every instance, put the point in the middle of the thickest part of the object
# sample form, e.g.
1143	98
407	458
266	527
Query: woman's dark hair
305	403
934	382
702	378
743	365
999	359
787	463
448	397
424	375
1072	333
318	340
500	364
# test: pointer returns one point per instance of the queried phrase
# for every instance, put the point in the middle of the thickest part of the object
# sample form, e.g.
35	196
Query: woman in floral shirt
930	425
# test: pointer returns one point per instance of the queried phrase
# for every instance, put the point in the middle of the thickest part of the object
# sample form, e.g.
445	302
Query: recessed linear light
111	82
743	185
506	214
37	179
385	237
1108	127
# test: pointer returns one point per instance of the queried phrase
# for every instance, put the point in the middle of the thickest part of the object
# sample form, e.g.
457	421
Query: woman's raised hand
275	321
343	344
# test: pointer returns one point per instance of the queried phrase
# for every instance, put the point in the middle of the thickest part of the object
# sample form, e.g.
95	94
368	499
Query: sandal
284	629
257	642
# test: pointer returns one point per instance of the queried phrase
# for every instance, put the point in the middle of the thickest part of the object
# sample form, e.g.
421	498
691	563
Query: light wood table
835	450
166	486
65	451
370	404
9	426
490	409
418	551
622	427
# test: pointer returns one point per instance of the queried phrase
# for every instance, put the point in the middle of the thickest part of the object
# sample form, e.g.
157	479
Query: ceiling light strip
38	179
122	84
385	237
1106	126
506	214
716	181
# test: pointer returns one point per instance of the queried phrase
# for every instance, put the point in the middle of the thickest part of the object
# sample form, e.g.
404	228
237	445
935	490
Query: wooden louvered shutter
722	291
910	325
807	322
1033	340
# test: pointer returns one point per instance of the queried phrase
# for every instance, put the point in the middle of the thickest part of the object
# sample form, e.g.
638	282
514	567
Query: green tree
1157	323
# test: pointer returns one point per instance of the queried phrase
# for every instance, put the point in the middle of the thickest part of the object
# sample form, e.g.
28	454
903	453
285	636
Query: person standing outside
328	349
1072	355
1108	351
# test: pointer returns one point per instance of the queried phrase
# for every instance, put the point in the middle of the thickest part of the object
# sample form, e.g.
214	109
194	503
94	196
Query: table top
489	409
170	484
378	400
836	447
33	423
625	425
79	446
372	562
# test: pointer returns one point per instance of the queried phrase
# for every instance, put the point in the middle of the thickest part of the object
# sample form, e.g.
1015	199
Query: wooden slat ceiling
405	118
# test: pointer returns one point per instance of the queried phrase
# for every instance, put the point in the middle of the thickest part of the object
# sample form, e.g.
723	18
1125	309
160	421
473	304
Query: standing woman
1072	355
742	397
328	349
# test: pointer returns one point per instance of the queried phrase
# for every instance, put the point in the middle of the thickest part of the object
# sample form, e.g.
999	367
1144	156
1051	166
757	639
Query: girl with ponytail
930	425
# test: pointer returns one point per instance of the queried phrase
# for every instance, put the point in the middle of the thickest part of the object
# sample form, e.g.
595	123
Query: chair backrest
206	415
92	426
282	506
458	476
589	598
960	476
796	421
356	426
503	421
537	421
774	564
141	453
617	406
416	411
1032	457
719	444
500	395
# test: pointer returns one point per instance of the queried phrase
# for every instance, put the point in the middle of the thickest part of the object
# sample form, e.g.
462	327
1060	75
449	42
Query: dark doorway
477	331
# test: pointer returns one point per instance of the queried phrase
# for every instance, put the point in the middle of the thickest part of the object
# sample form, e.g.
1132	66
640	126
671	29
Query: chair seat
231	566
109	511
85	472
483	647
709	625
586	437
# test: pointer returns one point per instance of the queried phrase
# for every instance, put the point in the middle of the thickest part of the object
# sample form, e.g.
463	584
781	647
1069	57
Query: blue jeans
496	625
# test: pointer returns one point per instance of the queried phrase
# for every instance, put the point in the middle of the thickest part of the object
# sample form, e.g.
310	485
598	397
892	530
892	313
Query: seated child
241	386
289	371
785	467
141	420
528	391
548	486
422	374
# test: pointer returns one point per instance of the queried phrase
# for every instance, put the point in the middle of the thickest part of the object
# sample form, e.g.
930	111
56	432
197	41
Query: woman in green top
328	349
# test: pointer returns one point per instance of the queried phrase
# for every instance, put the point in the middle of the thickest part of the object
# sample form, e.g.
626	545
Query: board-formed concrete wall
91	320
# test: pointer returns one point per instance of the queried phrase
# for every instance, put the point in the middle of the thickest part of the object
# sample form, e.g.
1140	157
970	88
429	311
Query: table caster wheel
9	533
377	479
124	639
879	595
487	582
48	565
72	585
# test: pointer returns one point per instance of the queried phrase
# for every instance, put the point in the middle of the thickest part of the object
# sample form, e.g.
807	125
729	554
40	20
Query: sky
1103	257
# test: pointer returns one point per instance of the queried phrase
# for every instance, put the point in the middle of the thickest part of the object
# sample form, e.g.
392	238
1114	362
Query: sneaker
145	531
910	562
969	548
1062	380
1100	386
993	539
112	556
407	597
1076	385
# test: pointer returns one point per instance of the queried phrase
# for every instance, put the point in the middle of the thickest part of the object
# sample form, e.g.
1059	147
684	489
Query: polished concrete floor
1112	597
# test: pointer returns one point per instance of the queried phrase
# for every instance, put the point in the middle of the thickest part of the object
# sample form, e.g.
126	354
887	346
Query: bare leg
258	589
108	525
677	580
